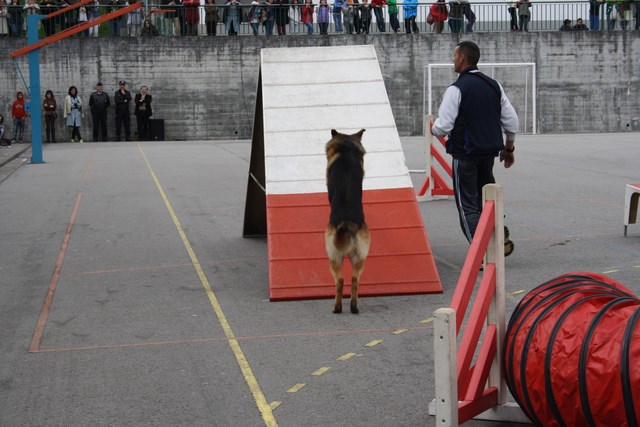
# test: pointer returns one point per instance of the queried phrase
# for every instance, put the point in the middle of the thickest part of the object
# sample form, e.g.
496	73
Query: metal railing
180	20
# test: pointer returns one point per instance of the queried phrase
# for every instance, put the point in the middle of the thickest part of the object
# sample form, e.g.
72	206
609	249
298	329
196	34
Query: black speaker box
156	129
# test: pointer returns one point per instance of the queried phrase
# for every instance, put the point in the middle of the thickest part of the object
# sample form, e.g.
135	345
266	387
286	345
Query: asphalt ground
129	297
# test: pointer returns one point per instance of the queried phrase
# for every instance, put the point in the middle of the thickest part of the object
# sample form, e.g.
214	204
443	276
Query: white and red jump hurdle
438	182
465	390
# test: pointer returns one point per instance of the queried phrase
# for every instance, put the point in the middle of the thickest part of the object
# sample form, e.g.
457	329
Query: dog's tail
345	235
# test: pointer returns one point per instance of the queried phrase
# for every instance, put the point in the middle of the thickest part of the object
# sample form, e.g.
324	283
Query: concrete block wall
205	87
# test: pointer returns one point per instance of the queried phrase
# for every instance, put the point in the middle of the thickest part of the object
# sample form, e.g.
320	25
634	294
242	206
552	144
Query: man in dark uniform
99	102
474	111
122	99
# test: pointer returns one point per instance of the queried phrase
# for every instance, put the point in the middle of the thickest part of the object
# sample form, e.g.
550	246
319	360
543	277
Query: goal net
517	78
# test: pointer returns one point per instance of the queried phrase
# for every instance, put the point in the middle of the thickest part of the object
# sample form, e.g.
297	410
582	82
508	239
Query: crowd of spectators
73	115
193	17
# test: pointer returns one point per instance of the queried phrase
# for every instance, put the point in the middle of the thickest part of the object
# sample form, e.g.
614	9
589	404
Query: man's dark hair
470	50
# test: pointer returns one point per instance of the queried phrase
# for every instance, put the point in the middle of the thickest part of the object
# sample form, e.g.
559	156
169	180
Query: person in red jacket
192	16
377	6
307	15
438	15
19	114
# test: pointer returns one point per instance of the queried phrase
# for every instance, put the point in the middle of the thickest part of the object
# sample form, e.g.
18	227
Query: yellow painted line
274	405
399	331
518	292
373	343
321	371
636	266
249	377
296	388
610	271
346	356
427	320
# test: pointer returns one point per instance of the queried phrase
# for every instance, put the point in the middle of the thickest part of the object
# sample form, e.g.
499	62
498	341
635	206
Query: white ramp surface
308	91
304	93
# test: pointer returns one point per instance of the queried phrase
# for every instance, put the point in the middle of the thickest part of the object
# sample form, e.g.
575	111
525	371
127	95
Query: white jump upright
632	193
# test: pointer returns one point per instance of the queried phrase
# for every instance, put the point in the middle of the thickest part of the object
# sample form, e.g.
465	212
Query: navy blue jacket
477	131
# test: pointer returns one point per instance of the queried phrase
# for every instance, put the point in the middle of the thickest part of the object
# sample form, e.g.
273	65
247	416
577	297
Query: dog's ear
333	132
358	135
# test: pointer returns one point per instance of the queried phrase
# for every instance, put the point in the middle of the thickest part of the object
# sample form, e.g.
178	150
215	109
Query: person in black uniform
122	99
98	103
473	113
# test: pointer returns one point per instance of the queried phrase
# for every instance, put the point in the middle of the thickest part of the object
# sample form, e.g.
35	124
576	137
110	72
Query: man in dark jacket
122	99
474	111
99	102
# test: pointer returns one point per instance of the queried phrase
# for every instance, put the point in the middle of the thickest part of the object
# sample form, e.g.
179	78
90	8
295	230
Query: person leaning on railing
438	15
594	14
393	15
377	6
456	16
255	16
49	25
410	8
14	17
524	13
323	17
114	24
307	15
211	17
365	17
192	16
513	22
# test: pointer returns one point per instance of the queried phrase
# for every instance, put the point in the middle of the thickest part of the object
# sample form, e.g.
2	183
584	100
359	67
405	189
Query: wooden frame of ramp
303	93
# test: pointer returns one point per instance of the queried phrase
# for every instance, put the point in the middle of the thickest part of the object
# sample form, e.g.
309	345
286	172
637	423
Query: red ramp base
400	260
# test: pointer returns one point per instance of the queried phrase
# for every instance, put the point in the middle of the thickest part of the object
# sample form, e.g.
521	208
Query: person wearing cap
98	103
122	99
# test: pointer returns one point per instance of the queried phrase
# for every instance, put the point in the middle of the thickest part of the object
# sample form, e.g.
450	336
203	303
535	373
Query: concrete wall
205	87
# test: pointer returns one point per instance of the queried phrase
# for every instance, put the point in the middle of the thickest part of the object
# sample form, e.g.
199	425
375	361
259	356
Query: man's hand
508	159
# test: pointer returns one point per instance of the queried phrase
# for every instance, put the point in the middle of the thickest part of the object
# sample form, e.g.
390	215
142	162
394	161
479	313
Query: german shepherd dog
347	233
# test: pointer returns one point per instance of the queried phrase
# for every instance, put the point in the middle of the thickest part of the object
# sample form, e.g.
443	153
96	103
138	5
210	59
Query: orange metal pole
67	9
75	29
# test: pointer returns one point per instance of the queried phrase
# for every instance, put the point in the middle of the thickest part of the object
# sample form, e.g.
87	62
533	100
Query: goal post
520	87
518	80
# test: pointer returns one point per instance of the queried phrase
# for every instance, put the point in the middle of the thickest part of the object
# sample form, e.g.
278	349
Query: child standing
323	17
19	114
307	16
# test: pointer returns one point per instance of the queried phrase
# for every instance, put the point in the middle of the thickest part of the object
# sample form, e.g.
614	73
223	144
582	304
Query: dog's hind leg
337	305
358	266
336	267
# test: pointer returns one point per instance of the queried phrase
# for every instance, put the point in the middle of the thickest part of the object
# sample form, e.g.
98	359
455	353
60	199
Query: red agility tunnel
572	353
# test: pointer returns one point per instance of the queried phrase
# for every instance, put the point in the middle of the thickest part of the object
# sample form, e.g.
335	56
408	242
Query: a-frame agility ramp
303	93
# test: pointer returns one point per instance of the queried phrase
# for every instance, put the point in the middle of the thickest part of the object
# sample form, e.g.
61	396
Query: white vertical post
445	358
428	195
534	99
496	315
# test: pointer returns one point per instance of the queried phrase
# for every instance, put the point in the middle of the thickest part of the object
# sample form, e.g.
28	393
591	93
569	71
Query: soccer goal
519	82
517	78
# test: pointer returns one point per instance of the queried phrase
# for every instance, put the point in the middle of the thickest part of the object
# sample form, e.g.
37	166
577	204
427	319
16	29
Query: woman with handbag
73	114
438	15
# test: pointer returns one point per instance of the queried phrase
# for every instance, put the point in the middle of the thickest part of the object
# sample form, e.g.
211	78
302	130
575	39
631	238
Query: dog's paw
337	309
354	309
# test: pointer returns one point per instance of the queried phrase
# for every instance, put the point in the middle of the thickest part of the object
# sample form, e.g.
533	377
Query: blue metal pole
34	106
